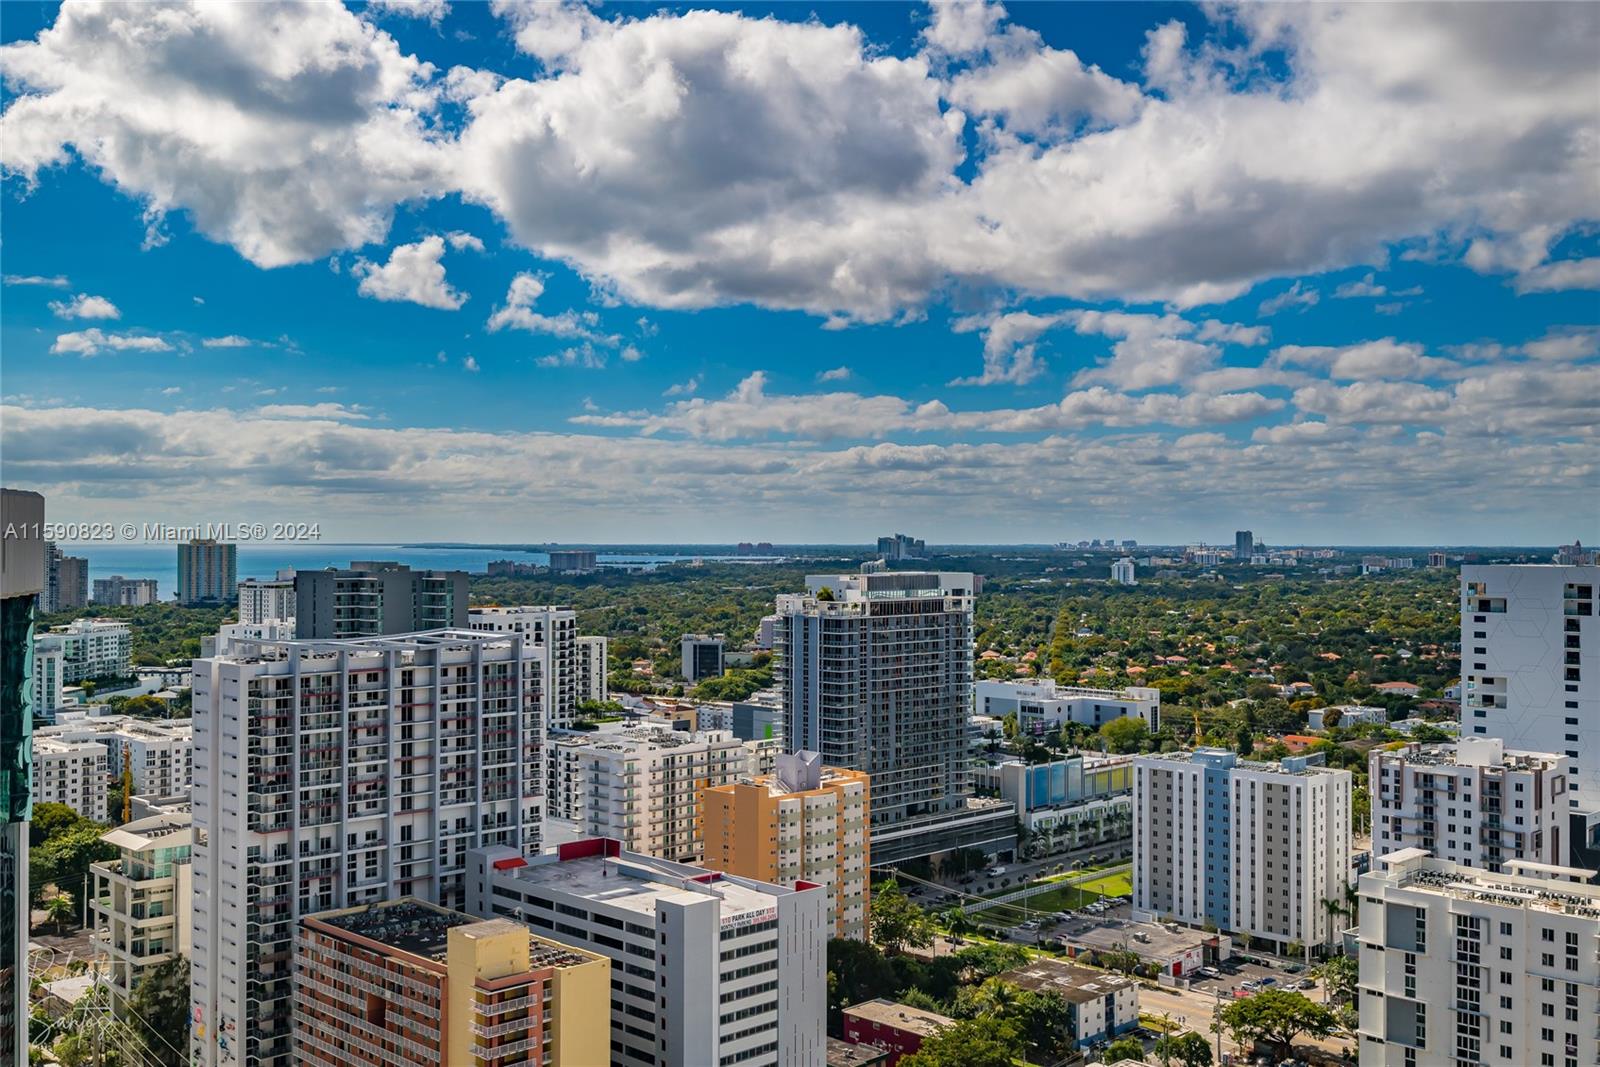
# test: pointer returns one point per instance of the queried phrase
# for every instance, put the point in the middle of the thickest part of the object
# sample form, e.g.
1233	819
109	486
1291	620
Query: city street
1193	1008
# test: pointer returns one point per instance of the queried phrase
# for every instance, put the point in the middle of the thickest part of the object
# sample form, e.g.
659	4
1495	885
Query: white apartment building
1122	571
71	773
1041	705
1252	848
553	633
1530	664
1461	965
641	785
331	774
159	752
592	681
221	643
1473	803
1346	715
708	969
49	667
142	899
93	648
267	599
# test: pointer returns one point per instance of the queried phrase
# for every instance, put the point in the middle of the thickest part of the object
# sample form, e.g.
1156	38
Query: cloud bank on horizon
1211	265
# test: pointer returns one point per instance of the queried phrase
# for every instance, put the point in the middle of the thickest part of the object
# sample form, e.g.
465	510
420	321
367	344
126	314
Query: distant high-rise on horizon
66	582
897	547
573	561
207	571
1244	545
374	597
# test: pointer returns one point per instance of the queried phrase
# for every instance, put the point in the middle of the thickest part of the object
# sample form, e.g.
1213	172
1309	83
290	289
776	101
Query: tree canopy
1276	1017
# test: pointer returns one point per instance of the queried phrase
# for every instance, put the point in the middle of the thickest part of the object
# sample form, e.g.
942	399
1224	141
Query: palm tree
957	921
997	995
58	909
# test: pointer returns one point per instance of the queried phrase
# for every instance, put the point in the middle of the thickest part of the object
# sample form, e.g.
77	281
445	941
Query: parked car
1269	980
1307	983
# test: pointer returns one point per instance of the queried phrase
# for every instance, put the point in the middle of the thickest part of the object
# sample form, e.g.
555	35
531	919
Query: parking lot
1048	927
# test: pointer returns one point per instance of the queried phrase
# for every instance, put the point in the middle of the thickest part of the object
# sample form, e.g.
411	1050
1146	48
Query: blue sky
792	272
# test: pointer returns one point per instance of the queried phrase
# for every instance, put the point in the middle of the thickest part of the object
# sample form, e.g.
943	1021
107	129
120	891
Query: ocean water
264	561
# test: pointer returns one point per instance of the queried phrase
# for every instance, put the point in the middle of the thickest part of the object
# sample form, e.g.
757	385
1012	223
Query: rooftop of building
844	1054
1529	885
893	584
165	830
419	928
1471	752
1152	940
261	650
636	882
1309	764
1077	985
633	738
900	1016
1048	689
61	746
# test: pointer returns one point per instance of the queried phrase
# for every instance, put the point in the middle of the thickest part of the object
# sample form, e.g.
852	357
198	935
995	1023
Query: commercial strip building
142	899
1530	664
1102	1005
1171	948
876	675
1463	965
208	572
71	773
1473	803
333	774
22	582
1250	848
373	597
1042	706
708	968
408	982
805	822
267	599
642	785
1069	803
702	656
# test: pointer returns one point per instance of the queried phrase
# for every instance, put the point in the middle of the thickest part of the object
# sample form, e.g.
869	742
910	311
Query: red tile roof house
889	1024
1404	689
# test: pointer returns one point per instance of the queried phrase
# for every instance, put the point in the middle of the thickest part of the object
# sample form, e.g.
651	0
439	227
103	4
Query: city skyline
996	268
